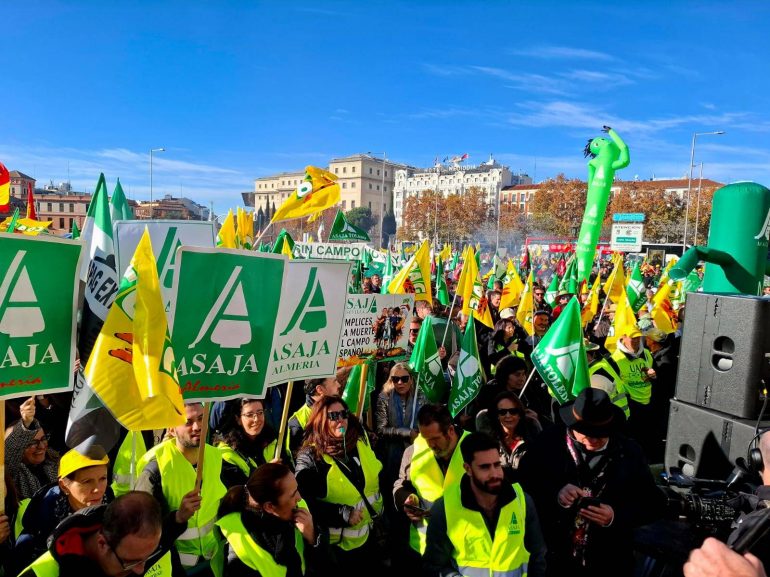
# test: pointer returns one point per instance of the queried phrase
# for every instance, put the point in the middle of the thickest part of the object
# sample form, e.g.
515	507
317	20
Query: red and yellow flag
5	188
31	212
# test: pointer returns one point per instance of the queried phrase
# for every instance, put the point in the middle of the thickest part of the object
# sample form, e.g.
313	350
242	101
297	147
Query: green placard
226	310
38	312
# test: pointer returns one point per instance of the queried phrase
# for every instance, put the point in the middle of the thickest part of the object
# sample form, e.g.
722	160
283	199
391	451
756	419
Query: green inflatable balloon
736	253
607	156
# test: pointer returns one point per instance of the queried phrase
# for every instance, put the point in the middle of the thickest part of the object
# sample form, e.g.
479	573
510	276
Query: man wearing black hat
592	487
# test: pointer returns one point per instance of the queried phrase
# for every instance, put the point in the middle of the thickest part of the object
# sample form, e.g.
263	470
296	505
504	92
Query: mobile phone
584	502
414	509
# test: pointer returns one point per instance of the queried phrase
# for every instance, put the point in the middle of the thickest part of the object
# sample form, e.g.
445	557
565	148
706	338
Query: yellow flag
527	307
471	289
245	232
318	191
415	276
28	226
512	287
592	303
615	285
132	367
226	235
662	310
624	318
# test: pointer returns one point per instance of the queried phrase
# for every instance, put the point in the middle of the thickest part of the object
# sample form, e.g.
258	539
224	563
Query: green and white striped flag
553	290
426	364
469	376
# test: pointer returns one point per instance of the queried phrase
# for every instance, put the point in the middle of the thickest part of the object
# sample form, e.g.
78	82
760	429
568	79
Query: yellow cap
632	331
73	461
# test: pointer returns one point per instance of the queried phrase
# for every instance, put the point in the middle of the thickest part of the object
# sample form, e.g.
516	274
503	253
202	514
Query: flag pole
607	296
449	318
202	446
261	234
362	390
284	419
524	388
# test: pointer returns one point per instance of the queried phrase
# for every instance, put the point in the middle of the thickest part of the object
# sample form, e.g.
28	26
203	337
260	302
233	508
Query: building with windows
172	208
365	181
20	184
490	177
62	209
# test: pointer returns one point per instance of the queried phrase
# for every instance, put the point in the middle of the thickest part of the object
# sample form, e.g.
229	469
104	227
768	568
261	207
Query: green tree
361	217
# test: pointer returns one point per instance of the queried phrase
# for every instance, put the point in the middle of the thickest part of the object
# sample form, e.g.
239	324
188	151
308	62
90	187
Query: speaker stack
723	370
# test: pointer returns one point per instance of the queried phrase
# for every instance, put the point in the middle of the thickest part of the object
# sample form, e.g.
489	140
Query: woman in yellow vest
338	475
82	483
268	533
246	441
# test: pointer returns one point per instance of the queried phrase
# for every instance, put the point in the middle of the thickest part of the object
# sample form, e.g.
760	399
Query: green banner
226	310
469	376
343	230
426	363
38	314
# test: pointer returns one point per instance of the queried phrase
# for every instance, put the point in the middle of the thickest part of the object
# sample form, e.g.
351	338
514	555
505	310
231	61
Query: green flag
74	231
560	357
570	273
455	261
119	209
426	363
14	220
354	284
469	376
343	230
351	393
442	291
637	295
387	276
278	244
553	290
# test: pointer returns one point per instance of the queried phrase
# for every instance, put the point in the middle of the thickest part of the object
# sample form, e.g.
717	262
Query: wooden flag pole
449	319
261	234
362	390
202	446
524	388
284	419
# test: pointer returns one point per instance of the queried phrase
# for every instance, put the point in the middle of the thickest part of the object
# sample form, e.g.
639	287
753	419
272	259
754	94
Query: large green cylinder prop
736	253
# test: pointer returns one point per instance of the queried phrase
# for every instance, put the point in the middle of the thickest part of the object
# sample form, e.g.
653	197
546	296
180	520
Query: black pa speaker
723	362
706	443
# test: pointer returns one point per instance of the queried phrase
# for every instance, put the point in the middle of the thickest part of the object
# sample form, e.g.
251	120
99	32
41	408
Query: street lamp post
151	151
697	205
695	135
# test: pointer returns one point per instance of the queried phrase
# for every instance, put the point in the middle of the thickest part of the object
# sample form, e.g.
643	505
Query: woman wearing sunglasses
338	476
512	428
396	420
246	442
268	529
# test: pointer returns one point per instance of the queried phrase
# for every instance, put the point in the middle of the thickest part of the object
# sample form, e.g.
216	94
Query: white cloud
549	52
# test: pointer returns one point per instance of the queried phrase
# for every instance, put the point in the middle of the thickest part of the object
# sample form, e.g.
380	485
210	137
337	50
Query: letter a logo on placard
311	311
17	317
167	258
227	322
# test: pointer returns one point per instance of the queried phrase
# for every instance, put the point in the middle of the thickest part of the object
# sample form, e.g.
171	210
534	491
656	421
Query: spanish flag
5	188
319	190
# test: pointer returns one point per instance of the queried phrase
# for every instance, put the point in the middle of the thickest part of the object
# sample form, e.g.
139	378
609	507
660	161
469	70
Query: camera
706	504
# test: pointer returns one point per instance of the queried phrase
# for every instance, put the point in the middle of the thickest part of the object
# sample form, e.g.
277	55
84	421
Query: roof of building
662	183
17	174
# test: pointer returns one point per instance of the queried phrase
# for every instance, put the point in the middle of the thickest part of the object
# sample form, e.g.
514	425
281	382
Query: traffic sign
628	217
627	236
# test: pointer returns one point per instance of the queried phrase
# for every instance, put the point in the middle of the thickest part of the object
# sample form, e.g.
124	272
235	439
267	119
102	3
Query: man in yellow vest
630	370
483	526
169	475
428	466
314	389
115	540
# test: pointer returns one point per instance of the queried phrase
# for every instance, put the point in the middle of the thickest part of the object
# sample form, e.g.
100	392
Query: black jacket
67	544
630	490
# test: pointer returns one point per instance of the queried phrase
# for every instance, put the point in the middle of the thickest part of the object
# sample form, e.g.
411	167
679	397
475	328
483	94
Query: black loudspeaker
706	443
723	363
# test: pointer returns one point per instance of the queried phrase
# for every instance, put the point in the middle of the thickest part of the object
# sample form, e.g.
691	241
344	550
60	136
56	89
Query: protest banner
375	325
38	312
226	312
310	321
166	236
330	250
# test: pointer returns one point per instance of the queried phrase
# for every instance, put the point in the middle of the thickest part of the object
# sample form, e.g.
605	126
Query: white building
488	176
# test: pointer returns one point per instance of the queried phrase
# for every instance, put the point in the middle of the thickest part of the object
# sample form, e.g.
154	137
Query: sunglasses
503	412
338	415
414	331
400	378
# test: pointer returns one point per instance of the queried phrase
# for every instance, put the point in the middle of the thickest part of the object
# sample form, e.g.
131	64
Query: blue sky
238	90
